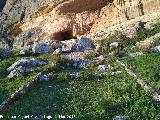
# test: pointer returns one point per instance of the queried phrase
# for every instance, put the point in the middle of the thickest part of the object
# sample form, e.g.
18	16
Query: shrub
63	76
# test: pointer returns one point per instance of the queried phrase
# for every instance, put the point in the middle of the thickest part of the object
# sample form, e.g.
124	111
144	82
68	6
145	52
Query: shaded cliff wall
2	4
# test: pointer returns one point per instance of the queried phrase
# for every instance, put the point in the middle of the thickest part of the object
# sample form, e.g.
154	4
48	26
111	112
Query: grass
8	86
147	66
127	42
88	99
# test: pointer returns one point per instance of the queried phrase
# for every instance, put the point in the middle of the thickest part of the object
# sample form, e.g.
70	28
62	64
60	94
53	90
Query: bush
63	76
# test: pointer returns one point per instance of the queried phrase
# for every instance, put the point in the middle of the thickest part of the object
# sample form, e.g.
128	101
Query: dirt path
140	81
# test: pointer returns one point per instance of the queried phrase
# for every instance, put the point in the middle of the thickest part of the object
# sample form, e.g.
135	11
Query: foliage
147	66
88	99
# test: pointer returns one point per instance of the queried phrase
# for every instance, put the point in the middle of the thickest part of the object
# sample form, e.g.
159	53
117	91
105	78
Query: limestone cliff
33	20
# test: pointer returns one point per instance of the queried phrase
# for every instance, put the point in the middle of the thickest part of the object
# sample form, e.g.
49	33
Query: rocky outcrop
48	19
26	62
42	48
4	53
23	66
80	44
2	4
18	71
147	43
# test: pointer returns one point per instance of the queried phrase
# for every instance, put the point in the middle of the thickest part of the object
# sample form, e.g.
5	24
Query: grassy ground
147	66
129	42
88	99
8	86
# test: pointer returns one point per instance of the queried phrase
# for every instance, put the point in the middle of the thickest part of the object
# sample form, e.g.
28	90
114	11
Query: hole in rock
63	35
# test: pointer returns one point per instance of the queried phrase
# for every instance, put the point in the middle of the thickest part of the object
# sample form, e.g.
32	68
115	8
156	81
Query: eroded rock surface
64	19
27	62
4	53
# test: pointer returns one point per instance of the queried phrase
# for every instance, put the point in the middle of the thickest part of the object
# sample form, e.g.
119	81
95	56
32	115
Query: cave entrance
64	35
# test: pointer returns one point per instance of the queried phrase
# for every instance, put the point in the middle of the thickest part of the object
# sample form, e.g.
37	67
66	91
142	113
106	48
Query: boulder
81	63
114	45
57	51
100	58
42	77
4	53
104	67
42	48
18	71
27	62
68	45
74	75
121	118
135	54
66	49
155	49
84	43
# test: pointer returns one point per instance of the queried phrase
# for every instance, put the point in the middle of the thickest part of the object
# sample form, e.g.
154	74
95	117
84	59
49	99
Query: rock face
2	4
42	48
156	49
26	62
83	44
18	71
4	53
48	19
23	66
147	43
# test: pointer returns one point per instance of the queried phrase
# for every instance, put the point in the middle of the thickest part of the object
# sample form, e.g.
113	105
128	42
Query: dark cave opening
63	35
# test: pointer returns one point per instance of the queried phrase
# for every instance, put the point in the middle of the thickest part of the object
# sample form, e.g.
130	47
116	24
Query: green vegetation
9	86
88	99
147	66
127	42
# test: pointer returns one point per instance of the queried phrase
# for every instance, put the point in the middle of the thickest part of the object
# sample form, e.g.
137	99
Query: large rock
81	63
104	67
121	118
147	43
4	53
57	51
42	48
135	54
18	71
68	45
155	49
84	43
2	4
27	62
42	77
